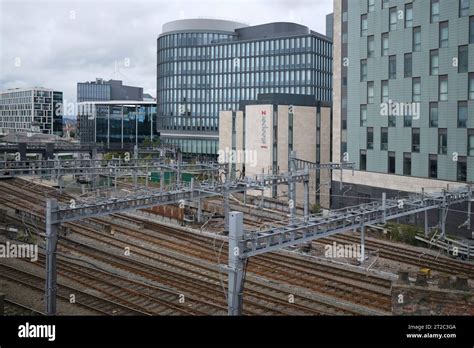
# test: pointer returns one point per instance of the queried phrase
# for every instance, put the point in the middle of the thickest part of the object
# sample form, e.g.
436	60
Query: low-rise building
116	122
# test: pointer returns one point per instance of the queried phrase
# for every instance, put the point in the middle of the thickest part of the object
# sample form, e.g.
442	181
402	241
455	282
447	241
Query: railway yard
134	263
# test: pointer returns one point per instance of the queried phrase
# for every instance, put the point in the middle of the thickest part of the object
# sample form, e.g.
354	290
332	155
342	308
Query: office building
258	139
116	123
205	66
32	110
403	96
100	90
329	25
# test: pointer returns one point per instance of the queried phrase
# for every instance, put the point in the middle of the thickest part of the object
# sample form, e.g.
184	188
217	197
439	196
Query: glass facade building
116	123
205	66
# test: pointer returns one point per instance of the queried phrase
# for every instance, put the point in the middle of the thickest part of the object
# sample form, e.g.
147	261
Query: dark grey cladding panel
271	30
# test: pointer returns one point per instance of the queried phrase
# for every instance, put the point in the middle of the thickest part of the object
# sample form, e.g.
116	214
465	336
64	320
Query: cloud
57	43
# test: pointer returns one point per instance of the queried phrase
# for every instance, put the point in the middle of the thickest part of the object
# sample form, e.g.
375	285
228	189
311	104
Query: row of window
235	95
192	39
15	101
461	165
247	64
199	102
13	95
16	107
416	44
246	49
415	140
189	123
462	116
443	92
195	146
407	15
416	41
299	77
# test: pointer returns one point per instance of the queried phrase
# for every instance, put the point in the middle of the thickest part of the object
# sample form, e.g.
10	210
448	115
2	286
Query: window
442	141
464	8
392	67
462	169
462	114
363	160
391	163
392	121
434	11
407	120
364	26
463	59
470	142
409	15
417	39
408	65
393	19
407	163
471	29
443	88
370	46
471	86
383	139
385	44
371	5
443	34
370	92
363	115
385	3
415	140
433	166
363	70
434	62
370	138
433	115
384	92
416	89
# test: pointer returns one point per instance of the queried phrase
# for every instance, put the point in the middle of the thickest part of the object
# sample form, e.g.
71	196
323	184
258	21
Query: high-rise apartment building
403	96
205	66
32	110
100	90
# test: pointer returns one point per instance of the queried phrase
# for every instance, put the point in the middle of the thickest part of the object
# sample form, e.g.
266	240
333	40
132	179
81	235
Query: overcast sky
57	43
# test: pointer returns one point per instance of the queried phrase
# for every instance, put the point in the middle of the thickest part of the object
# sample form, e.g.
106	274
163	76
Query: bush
315	209
403	233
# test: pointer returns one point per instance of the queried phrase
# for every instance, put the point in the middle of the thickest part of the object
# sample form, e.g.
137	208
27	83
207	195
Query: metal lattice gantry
243	245
57	168
59	213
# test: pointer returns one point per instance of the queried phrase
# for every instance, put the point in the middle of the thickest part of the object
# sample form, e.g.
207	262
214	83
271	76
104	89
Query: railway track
336	283
386	250
259	299
13	308
83	299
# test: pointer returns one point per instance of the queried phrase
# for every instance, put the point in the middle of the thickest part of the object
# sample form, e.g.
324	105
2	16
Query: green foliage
403	233
315	209
148	143
110	155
